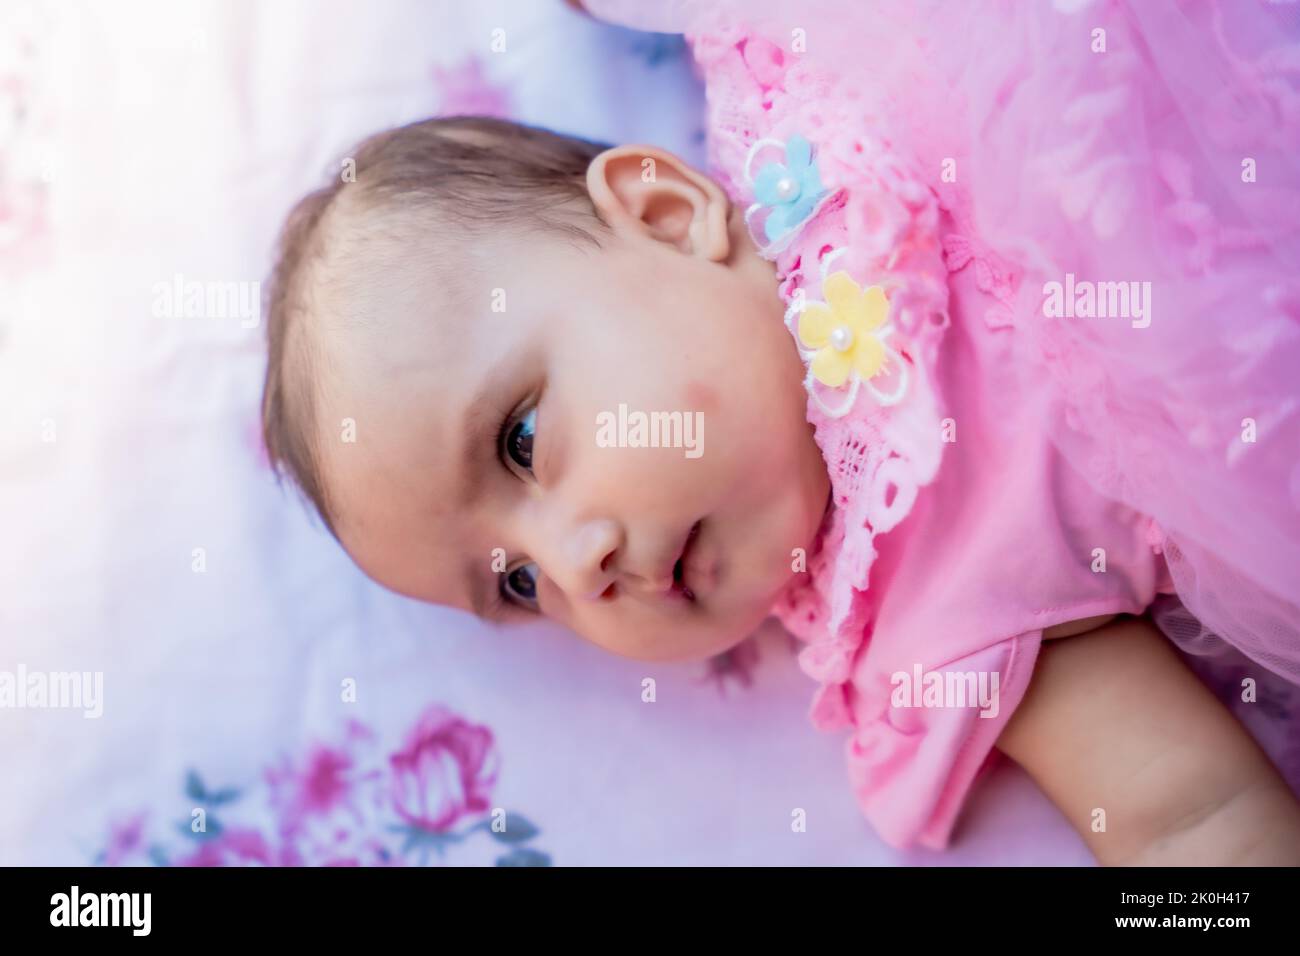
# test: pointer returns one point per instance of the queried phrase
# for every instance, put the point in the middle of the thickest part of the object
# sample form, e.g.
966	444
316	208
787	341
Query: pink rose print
446	770
465	90
344	803
231	848
328	806
323	783
125	841
26	131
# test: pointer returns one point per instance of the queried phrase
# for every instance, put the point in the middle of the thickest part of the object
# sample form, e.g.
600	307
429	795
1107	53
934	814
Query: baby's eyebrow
479	426
480	423
486	409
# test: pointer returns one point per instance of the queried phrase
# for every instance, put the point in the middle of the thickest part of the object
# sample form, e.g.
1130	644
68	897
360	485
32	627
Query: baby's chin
714	631
743	619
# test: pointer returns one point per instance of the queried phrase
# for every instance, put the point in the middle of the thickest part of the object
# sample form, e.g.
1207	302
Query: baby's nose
584	559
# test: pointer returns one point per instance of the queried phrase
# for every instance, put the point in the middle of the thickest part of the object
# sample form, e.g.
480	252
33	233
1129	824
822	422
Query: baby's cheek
701	397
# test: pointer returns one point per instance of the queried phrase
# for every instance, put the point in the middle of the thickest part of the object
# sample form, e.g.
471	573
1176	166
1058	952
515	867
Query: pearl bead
787	188
842	339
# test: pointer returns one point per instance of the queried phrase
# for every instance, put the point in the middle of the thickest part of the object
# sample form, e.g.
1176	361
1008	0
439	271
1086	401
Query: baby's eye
518	443
519	585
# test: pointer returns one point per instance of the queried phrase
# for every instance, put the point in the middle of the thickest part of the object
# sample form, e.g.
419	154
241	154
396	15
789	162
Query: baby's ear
645	192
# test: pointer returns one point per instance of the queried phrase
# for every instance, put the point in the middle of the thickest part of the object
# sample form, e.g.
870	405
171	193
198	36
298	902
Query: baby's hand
1144	761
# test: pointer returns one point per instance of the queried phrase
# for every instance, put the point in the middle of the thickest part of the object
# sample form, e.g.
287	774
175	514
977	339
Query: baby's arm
1113	720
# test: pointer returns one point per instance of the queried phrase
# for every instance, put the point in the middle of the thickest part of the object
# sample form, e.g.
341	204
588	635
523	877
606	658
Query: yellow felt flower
845	330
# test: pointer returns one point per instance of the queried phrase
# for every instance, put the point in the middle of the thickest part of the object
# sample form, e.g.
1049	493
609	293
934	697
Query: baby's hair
461	176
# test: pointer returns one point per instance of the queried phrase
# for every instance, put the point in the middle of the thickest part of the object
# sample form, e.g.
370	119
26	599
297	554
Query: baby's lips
701	572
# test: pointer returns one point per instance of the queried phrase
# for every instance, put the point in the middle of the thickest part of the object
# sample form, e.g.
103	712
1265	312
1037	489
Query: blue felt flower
792	189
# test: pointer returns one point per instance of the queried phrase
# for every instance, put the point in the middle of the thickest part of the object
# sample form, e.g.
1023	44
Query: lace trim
875	218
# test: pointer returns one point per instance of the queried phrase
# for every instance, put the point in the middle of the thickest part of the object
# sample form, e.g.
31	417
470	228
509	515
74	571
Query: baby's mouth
680	585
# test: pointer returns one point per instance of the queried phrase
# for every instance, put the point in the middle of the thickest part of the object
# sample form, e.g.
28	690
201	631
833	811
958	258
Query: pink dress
1042	264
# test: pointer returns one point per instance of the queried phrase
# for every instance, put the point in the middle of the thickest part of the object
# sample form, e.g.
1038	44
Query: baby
474	302
451	333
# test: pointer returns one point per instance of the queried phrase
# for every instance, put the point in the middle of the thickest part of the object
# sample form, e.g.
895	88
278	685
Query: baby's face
490	471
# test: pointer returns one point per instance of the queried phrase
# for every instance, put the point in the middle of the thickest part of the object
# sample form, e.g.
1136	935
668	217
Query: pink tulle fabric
973	153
